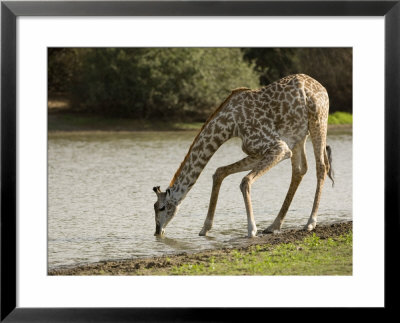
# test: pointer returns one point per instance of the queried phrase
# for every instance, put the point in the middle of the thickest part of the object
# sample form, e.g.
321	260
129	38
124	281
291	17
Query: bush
186	83
332	67
146	83
59	65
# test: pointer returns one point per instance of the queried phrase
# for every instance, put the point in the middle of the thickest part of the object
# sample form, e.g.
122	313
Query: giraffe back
279	111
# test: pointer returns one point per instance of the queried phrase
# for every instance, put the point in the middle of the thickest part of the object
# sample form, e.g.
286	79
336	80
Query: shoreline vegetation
327	250
185	83
63	121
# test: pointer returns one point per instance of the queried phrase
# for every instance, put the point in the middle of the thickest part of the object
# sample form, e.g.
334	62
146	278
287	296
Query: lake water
100	197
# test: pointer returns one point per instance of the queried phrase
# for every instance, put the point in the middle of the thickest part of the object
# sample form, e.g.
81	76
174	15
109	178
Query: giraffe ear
168	192
156	189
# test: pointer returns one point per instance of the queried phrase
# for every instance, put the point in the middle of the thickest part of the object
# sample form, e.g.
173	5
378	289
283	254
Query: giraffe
273	123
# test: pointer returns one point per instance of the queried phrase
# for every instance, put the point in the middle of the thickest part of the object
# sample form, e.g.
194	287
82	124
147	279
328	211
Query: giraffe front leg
222	172
217	181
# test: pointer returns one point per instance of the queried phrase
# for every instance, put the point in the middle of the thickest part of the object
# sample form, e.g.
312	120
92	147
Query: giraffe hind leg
220	174
318	138
280	152
299	168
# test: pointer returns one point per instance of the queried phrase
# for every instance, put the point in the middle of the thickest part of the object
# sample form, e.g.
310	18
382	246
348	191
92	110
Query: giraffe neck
210	138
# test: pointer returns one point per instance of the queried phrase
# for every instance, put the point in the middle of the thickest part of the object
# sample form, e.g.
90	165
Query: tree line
185	83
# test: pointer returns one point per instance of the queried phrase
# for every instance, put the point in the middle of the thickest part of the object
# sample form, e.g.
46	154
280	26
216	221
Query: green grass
340	118
312	256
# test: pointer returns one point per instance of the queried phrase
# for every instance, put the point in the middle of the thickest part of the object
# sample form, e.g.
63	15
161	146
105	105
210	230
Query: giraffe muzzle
159	231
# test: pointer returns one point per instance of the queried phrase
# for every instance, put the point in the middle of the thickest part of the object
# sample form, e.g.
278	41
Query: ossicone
156	189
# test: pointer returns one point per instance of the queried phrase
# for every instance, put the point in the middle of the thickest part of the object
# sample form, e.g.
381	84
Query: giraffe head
164	210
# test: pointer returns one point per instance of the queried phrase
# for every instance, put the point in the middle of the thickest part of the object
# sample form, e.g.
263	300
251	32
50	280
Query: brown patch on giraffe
211	148
217	130
285	107
200	163
218	141
202	128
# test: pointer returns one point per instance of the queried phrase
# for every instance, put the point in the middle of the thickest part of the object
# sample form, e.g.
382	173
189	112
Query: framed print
38	190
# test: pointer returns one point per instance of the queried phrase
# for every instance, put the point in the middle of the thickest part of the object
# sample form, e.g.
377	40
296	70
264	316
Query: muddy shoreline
141	266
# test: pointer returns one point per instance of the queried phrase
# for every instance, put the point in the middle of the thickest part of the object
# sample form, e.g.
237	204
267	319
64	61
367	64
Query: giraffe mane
202	128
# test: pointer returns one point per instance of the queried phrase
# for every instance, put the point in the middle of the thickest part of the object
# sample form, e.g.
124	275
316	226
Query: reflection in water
179	243
176	244
100	203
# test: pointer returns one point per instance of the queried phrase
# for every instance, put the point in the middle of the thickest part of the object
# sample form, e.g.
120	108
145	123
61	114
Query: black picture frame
10	10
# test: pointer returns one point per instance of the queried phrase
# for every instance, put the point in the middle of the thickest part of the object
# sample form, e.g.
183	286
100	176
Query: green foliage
186	84
340	118
312	256
271	63
60	74
346	238
332	67
312	241
157	82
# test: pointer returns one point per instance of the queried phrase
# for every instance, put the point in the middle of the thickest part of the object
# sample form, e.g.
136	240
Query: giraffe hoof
252	234
272	229
203	233
310	226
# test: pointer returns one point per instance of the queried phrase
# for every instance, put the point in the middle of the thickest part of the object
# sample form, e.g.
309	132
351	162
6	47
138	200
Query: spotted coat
273	123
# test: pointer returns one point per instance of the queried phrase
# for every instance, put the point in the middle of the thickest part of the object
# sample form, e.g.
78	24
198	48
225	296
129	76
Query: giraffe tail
328	161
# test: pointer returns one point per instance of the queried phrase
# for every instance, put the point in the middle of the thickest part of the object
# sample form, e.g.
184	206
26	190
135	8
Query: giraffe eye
162	209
